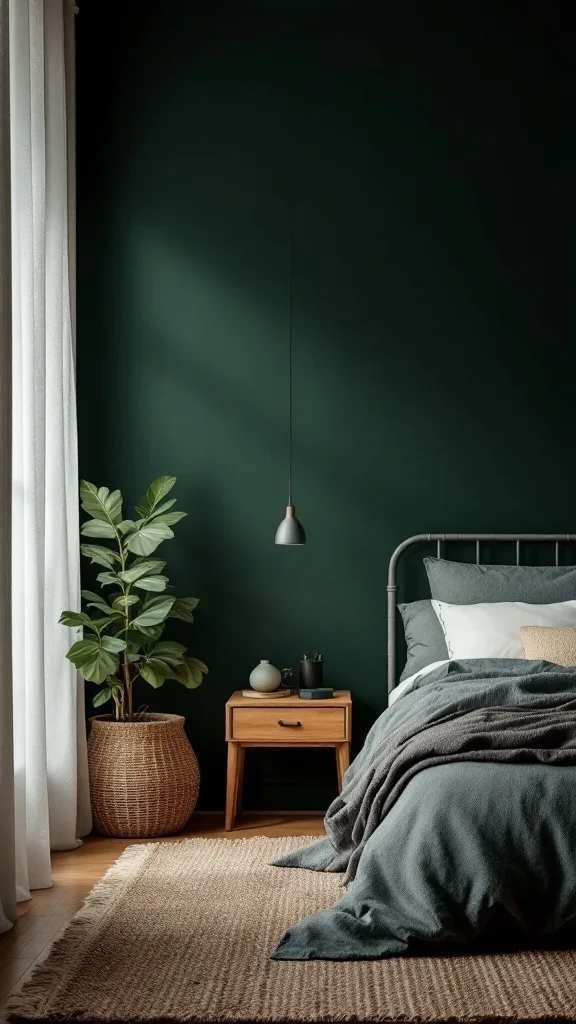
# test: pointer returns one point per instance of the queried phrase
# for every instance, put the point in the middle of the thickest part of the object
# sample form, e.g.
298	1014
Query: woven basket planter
144	776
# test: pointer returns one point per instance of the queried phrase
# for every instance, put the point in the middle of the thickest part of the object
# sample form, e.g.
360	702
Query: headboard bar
441	538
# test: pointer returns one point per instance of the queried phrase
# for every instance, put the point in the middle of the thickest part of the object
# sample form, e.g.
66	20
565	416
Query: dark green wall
425	169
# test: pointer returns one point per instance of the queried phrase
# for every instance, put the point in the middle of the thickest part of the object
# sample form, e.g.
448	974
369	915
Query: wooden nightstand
283	722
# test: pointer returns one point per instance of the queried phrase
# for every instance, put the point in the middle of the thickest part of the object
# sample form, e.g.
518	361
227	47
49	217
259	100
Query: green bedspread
462	803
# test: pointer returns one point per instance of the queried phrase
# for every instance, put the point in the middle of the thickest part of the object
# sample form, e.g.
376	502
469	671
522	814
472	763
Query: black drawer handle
289	725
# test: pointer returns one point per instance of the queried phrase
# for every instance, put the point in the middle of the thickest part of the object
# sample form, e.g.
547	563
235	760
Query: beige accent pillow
549	643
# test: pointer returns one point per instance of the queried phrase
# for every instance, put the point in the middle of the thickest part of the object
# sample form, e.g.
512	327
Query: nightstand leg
232	784
240	779
342	761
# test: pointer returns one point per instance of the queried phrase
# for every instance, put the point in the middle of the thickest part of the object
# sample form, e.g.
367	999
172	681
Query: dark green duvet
461	805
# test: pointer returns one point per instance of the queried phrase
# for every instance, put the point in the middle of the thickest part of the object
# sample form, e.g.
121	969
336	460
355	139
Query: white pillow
493	630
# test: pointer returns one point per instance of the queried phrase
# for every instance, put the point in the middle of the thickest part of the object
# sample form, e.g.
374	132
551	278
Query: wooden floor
42	919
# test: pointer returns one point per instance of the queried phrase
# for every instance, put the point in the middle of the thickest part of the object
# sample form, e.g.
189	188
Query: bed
458	816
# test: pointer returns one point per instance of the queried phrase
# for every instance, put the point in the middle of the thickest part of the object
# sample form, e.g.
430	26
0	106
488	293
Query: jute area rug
183	932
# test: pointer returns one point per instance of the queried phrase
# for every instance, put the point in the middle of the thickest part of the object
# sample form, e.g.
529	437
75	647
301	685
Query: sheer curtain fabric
50	786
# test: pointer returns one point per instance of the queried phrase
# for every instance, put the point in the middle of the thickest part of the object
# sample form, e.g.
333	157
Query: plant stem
128	685
127	709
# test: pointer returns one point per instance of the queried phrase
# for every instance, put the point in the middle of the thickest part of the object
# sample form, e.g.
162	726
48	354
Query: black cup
311	674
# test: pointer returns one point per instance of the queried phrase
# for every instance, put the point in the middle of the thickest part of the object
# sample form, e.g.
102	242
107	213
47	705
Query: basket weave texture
144	775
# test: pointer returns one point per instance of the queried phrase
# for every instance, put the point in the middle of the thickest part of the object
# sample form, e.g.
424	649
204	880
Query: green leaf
183	608
124	601
146	540
82	619
188	674
107	578
133	657
154	612
113	644
101	607
136	638
102	696
157	490
154	672
127	526
195	662
91	595
153	632
96	601
99	503
97	528
148	567
150	634
95	661
99	624
169	651
75	619
164	507
157	583
169	518
99	555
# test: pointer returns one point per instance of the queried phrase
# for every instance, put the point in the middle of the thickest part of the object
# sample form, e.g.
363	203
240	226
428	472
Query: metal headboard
440	539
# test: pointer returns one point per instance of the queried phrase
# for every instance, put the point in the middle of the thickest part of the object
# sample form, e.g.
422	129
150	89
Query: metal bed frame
443	538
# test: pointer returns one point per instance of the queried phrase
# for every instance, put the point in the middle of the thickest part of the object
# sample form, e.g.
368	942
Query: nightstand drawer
301	725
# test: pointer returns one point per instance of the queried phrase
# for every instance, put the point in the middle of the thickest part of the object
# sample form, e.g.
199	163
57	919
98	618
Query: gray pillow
466	583
424	637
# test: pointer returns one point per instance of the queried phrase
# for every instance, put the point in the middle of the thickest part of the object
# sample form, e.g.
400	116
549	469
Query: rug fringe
27	1003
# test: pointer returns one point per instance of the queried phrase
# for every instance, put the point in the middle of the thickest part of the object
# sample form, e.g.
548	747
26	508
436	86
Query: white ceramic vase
265	677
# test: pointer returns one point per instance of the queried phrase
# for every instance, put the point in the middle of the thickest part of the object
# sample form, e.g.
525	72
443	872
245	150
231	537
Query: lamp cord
289	369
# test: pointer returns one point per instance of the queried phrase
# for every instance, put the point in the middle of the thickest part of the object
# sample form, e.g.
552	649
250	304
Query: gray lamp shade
290	530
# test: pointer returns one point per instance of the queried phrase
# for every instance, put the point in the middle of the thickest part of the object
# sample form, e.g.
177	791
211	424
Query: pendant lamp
290	530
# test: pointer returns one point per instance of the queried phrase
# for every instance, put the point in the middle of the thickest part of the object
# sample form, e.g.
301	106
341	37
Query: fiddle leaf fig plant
122	627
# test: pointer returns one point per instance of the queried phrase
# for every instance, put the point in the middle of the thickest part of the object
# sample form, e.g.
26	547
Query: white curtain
51	802
7	850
